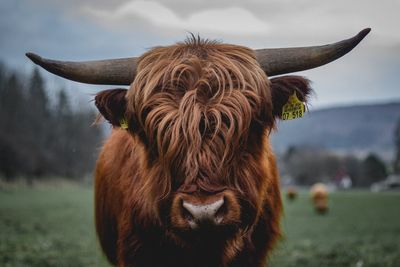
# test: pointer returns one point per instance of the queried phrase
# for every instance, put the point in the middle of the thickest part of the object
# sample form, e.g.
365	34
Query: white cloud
153	11
233	20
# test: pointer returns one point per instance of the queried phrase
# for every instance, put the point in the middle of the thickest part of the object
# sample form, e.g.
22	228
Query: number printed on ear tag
293	109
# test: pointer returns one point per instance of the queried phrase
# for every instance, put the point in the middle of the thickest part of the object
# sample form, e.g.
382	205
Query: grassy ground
361	229
49	226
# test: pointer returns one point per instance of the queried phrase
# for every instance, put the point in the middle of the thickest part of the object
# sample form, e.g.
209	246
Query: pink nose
197	214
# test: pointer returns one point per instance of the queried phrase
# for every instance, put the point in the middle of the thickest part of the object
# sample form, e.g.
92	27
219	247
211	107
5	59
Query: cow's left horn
285	60
110	71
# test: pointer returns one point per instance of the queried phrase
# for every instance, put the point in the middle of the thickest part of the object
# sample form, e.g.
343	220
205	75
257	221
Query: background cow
319	196
187	177
291	193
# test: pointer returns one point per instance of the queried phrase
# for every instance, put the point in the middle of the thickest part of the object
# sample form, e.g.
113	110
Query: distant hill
356	129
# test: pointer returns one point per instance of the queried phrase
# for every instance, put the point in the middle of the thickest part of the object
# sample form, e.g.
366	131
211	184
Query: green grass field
50	226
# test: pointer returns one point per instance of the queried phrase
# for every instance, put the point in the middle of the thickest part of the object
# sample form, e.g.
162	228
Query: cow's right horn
110	71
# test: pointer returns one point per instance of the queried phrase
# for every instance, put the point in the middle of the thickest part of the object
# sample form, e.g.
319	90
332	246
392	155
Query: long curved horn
274	62
285	60
110	71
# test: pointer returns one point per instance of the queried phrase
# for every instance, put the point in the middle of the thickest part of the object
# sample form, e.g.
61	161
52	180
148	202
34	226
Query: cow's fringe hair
195	102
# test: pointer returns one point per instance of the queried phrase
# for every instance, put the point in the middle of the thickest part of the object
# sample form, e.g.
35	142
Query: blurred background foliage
43	137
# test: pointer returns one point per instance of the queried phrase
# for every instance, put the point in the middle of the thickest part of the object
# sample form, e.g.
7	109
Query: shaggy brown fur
199	114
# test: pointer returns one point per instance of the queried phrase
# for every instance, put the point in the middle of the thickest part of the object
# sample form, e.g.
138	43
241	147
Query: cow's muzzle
198	214
195	211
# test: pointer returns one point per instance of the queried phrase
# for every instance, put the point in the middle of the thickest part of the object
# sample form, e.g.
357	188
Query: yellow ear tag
293	109
123	123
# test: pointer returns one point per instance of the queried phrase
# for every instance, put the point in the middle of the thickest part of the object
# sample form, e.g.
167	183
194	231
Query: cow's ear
112	105
283	87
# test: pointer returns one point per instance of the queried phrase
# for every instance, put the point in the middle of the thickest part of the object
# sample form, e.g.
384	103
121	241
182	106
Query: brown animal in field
319	196
192	180
291	193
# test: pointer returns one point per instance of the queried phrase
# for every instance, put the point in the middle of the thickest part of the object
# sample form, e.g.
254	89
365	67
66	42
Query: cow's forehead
198	53
209	68
199	47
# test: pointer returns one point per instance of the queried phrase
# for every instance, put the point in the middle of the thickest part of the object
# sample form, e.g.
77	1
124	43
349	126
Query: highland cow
291	193
188	177
319	197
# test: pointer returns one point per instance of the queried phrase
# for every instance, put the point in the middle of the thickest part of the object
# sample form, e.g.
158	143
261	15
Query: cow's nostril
186	214
219	215
212	212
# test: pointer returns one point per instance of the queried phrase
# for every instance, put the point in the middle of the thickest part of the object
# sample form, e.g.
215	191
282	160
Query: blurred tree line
308	165
40	137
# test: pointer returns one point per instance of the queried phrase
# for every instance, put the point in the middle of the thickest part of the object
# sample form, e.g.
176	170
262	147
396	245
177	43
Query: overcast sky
96	29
